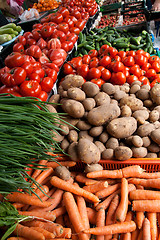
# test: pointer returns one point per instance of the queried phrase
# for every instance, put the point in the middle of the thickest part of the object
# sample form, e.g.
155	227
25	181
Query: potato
153	116
137	141
73	108
100	115
158	109
112	143
140	152
76	94
62	172
146	141
114	101
91	89
103	137
155	135
72	136
57	136
148	103
96	131
157	124
135	88
89	103
143	94
88	152
102	98
83	125
55	99
108	88
71	122
72	151
119	95
108	154
153	147
141	116
154	92
145	129
151	155
132	102
64	129
122	127
122	153
136	82
100	146
93	168
147	87
126	111
65	144
72	81
125	87
84	134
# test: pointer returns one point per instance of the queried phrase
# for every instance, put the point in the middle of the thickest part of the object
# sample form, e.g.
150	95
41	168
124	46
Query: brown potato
54	99
108	88
112	143
151	155
135	88
103	137
64	129
141	116
71	122
83	125
145	129
132	102
154	92
137	141
119	95
84	134
93	167
100	146
122	153
65	144
126	111
72	81
108	154
143	94
72	136
140	152
148	103
76	94
91	89
102	98
153	147
154	116
72	151
73	108
96	131
155	135
57	136
146	141
62	172
89	103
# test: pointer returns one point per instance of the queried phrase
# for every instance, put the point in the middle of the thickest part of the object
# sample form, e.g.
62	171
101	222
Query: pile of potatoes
114	122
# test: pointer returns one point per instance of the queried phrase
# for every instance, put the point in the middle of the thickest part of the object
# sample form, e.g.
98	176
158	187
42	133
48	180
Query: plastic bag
26	15
15	7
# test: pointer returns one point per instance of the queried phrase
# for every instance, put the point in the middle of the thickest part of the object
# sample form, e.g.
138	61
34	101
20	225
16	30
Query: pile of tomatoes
109	65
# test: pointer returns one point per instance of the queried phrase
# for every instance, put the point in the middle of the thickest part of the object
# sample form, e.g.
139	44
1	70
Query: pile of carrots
108	204
46	5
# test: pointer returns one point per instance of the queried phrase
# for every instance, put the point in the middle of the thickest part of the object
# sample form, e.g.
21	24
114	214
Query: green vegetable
18	29
6	31
5	38
122	45
9	25
80	37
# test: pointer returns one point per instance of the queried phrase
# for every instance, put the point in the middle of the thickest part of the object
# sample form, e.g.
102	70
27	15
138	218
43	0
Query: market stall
80	122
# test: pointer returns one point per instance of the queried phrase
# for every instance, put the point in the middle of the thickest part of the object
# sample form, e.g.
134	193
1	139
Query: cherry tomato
118	67
69	22
105	74
129	61
5	89
118	78
86	59
21	39
93	62
47	84
83	70
94	73
93	53
104	61
98	81
67	69
36	65
42	43
131	79
43	96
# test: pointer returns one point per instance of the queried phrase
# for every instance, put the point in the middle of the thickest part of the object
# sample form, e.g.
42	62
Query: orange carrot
91	215
17	238
27	232
40	168
146	230
122	208
129	217
110	218
140	235
59	183
139	219
59	211
60	220
42	176
96	187
149	183
100	222
74	215
46	215
42	191
144	195
46	181
152	217
134	234
82	179
146	205
46	233
122	227
18	205
140	187
64	163
66	233
107	191
132	171
149	175
26	199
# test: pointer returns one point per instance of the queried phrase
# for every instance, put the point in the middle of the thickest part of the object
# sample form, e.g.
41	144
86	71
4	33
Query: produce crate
110	7
139	6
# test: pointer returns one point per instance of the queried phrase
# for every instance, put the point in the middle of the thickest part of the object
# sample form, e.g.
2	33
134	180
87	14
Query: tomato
126	72
146	54
140	51
67	69
37	25
70	45
111	51
74	19
80	24
64	11
153	59
15	77
140	59
30	88
52	66
94	73
93	53
131	53
132	78
56	17
36	65
156	67
65	46
69	22
118	67
28	68
135	70
46	19
51	73
129	61
63	27
118	78
47	84
94	62
72	37
35	76
144	81
34	51
21	39
56	57
5	89
54	43
103	48
122	54
76	62
150	73
36	34
146	66
46	31
43	96
98	81
60	35
27	35
156	81
39	71
104	61
83	70
101	68
85	15
75	30
30	42
3	71
105	74
86	59
14	60
18	47
76	14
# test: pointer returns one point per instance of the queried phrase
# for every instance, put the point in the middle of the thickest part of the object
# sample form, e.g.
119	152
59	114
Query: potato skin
72	136
73	108
112	143
140	152
145	129
91	89
155	135
88	152
154	92
72	81
123	153
96	131
93	167
72	151
122	127
108	154
76	94
89	103
102	98
132	102
108	88
83	125
62	172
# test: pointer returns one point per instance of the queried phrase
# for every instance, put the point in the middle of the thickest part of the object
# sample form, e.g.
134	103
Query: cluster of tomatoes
109	65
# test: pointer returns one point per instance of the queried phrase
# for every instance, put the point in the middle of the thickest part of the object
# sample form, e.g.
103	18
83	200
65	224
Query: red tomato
80	24
118	78
47	84
72	37
43	96
37	25
116	58
122	54
118	67
69	22
101	68
75	30
129	61
39	71
153	59
156	81
94	73
76	14
131	53
56	57
98	81
51	73
131	79
144	81
64	11
135	70
41	43
85	15
86	59
70	45
76	62
140	59
83	70
18	47
54	43
105	61
65	46
103	48
21	39
111	51
156	66
28	68
60	35
34	51
30	88
67	69
150	73
56	17
14	60
36	34
140	51
105	74
63	27
36	65
93	62
146	66
5	89
27	35
52	66
35	76
93	53
46	31
15	77
30	42
74	19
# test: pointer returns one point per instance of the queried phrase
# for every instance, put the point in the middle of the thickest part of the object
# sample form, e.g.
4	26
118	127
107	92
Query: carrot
74	214
146	205
27	232
59	183
144	195
46	215
64	163
122	208
17	238
39	169
129	217
59	211
139	219
82	179
18	205
149	175
107	191
134	234
146	230
46	181
149	183
110	218
26	199
140	187
140	235
115	236
122	227
52	227
46	233
42	191
44	174
60	220
96	187
91	215
100	222
132	171
66	233
152	217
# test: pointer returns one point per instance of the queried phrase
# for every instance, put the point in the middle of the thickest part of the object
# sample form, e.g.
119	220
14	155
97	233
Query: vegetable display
9	31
